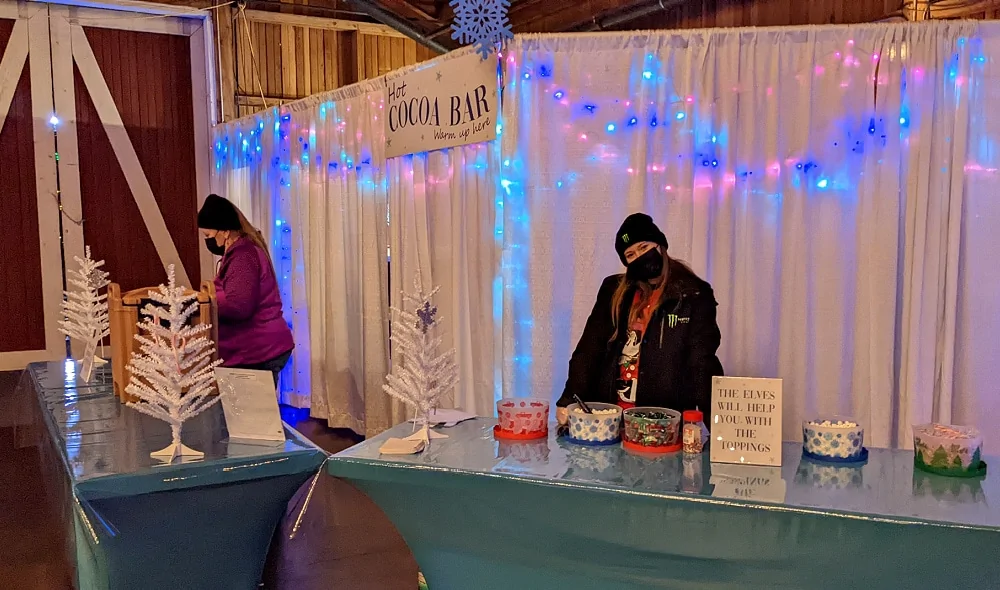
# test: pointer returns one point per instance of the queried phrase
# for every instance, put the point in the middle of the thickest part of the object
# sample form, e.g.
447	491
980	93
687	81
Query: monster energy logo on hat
625	238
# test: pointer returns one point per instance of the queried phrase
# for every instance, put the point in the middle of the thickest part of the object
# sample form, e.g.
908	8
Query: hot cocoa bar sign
746	421
451	102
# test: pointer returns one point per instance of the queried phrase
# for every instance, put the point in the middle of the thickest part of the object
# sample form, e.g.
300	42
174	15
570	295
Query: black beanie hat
636	228
218	214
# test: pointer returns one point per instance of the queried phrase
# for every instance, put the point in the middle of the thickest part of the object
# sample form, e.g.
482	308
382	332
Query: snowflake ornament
481	22
426	317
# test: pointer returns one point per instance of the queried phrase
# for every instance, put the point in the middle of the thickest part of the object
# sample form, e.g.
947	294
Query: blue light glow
558	94
611	127
822	183
647	74
680	116
632	121
527	76
714	139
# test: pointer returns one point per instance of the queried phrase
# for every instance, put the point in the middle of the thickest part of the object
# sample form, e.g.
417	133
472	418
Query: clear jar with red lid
694	427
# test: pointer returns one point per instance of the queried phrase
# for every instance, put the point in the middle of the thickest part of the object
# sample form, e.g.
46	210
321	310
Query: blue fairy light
652	122
527	76
590	108
558	94
647	74
822	183
680	116
611	127
632	121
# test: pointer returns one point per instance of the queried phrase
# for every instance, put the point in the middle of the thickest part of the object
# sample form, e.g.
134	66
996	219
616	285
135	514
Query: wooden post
225	45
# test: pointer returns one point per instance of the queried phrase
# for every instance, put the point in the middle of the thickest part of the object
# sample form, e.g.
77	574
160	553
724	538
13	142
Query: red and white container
522	419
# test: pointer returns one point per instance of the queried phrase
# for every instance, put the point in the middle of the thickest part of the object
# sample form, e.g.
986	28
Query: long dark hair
626	285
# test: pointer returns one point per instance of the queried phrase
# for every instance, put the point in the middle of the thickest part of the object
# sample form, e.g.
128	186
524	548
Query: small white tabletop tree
173	372
85	309
420	376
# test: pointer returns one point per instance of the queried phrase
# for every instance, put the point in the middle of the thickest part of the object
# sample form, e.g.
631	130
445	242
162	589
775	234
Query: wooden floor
345	541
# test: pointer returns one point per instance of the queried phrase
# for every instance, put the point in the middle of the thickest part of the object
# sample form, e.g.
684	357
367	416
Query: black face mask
213	246
646	267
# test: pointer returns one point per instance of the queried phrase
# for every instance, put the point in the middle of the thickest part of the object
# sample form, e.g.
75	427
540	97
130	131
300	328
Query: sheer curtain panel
815	176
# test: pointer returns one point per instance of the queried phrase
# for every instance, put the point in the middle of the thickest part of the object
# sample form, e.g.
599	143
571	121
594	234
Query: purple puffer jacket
251	327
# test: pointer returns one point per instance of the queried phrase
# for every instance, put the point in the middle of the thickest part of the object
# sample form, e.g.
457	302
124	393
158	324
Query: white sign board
448	103
746	421
250	404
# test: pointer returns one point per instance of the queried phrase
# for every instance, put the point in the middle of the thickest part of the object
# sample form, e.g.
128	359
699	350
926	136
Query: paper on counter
402	446
447	417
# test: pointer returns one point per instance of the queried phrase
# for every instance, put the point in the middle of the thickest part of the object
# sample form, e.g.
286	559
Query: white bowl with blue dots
836	438
602	426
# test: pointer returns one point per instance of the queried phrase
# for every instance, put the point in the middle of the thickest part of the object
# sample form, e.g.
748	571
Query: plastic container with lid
692	433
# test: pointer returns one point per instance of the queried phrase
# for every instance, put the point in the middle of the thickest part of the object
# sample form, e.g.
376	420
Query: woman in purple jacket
252	332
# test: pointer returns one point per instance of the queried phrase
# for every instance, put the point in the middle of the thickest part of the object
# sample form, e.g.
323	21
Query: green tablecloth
139	524
549	515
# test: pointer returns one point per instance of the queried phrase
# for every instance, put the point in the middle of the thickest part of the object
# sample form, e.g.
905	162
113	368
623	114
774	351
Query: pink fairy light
668	188
583	137
774	169
631	171
973	167
874	57
689	99
730	178
819	70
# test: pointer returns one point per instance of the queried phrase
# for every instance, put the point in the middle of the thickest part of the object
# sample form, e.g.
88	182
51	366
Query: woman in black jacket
652	336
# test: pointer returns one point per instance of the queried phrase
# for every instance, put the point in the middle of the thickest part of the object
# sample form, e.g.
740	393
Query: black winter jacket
677	356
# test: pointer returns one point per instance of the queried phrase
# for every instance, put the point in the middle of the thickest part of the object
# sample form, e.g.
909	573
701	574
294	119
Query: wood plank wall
22	325
271	63
696	14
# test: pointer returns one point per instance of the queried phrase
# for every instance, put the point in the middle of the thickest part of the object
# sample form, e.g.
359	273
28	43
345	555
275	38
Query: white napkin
402	446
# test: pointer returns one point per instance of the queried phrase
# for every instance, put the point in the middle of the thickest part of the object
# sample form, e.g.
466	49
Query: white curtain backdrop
817	177
443	219
313	176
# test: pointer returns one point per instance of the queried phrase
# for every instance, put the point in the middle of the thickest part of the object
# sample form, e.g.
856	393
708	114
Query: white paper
250	404
402	446
746	421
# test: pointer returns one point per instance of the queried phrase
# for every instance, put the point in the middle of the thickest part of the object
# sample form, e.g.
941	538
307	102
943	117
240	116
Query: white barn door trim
69	45
54	41
31	38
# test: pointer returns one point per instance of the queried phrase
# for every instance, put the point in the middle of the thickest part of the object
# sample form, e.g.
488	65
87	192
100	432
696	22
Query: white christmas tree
173	373
422	376
86	309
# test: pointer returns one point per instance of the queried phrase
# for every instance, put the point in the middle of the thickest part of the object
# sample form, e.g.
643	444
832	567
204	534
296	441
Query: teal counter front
482	514
136	523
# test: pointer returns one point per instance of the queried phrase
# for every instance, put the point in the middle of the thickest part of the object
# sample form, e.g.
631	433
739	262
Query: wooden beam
225	46
64	94
247	100
46	184
326	24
